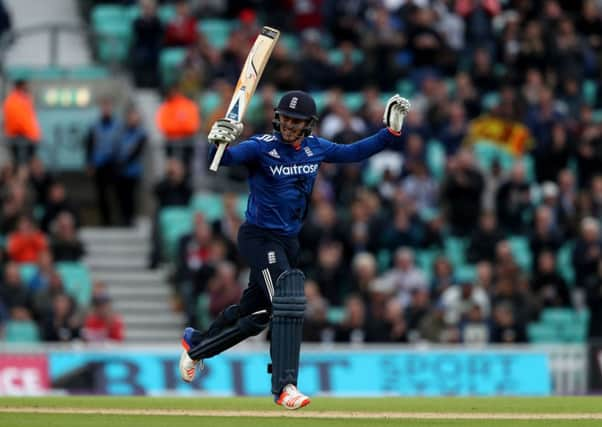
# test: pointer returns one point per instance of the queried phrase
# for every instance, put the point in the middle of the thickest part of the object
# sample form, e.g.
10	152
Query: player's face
291	128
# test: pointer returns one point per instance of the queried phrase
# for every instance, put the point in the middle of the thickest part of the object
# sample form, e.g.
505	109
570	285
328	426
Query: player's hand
225	131
395	111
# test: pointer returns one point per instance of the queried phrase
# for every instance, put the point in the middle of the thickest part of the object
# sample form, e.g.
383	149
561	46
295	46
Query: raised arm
240	154
395	111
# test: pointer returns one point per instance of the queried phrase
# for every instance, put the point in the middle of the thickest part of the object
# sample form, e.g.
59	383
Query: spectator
484	240
462	191
505	329
458	302
57	203
416	311
316	326
43	297
40	180
21	127
13	292
147	35
587	251
405	276
421	188
474	327
44	271
544	236
352	328
181	31
330	272
131	144
178	119
549	288
27	242
5	19
64	243
454	132
101	144
553	158
102	324
443	276
223	288
513	199
594	303
62	324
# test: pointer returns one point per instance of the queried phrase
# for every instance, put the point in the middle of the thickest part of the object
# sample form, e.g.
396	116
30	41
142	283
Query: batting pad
228	330
288	309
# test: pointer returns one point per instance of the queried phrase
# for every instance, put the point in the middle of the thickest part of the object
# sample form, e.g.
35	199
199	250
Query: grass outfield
331	412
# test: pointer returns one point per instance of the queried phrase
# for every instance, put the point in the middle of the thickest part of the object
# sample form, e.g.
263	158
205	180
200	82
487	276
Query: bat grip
218	157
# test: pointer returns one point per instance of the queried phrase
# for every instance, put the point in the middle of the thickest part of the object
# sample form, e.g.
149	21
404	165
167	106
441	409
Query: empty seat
76	281
174	222
435	159
209	101
542	333
21	331
210	205
170	62
217	31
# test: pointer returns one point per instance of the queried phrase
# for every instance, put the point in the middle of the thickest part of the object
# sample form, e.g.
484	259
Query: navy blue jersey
281	176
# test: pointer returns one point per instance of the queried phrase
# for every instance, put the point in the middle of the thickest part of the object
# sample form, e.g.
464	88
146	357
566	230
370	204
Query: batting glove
225	131
395	111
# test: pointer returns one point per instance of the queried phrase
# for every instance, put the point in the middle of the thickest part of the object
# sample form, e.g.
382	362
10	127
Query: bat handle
218	157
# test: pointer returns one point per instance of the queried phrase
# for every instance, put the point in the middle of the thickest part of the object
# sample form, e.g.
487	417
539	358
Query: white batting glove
395	111
225	131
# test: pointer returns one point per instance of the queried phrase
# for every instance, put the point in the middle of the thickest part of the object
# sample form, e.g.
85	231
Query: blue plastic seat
210	205
174	222
76	280
21	331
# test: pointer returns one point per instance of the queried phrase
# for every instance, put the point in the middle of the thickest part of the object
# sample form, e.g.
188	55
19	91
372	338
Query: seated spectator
443	276
147	38
505	329
459	299
474	327
547	285
352	328
102	323
484	240
587	251
62	323
396	327
316	326
44	271
43	297
41	180
64	243
594	303
453	133
13	292
27	242
223	288
513	199
544	235
405	276
421	188
181	31
15	204
402	232
58	202
330	272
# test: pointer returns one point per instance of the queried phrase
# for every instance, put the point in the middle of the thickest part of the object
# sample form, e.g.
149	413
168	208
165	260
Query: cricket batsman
282	169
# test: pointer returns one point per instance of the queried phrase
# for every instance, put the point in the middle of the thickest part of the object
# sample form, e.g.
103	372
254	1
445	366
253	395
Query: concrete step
110	250
148	306
113	263
153	335
133	294
144	277
161	320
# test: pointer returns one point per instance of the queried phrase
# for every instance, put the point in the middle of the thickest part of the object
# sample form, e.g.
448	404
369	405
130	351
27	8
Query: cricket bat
247	82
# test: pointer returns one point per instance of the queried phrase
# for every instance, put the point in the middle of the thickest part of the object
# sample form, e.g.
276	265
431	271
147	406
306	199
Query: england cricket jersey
281	176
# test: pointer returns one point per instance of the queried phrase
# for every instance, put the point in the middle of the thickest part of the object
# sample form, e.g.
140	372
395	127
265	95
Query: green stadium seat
210	205
290	41
336	56
564	263
209	101
589	91
202	310
35	73
107	13
216	30
424	259
21	331
455	250
435	159
88	73
76	280
405	88
521	251
353	100
336	315
174	222
241	205
571	324
167	13
321	98
490	100
543	333
27	270
465	273
170	61
486	152
383	260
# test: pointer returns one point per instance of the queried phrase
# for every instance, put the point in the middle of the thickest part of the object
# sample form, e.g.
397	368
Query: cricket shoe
187	365
292	398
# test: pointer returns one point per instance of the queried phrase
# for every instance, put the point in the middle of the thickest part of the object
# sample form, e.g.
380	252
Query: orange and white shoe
188	366
292	398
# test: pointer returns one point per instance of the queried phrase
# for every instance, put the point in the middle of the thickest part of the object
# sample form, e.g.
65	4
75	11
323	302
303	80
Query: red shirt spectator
102	324
27	242
182	31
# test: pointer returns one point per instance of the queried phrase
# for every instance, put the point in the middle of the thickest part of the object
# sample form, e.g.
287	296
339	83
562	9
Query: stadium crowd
469	251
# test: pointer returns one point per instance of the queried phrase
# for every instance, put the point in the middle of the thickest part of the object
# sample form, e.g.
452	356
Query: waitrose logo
294	169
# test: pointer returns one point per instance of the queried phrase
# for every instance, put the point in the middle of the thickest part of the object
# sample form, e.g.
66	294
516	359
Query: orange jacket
26	247
178	117
20	116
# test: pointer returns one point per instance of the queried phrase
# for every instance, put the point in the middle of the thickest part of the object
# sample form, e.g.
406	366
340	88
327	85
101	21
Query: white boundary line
305	414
